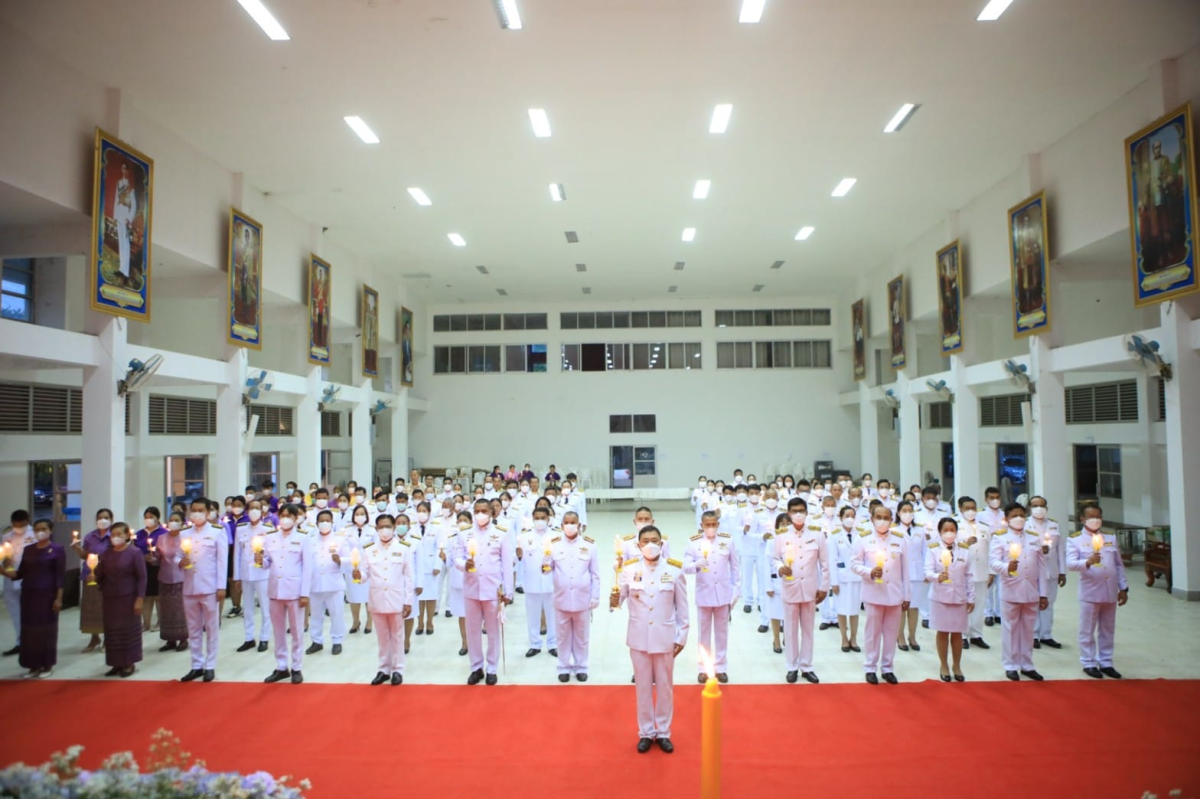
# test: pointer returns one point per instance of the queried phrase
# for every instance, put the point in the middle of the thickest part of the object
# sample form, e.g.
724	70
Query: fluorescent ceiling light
540	122
900	118
420	196
689	234
993	10
720	118
365	133
700	192
557	193
844	187
510	17
803	235
752	10
263	17
456	240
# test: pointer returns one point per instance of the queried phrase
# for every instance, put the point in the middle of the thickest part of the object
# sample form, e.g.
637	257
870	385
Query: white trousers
286	613
714	635
883	625
443	589
1017	620
652	675
335	602
1097	626
828	608
203	624
1045	620
798	634
573	628
389	627
751	589
123	247
534	605
12	601
482	612
252	591
975	617
993	608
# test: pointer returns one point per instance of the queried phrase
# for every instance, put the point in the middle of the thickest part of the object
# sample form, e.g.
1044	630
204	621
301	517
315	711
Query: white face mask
447	511
848	522
741	497
948	536
882	525
322	503
753	499
829	512
539	525
103	524
42	535
994	504
524	489
324	527
701	485
931	503
385	534
512	492
906	517
772	503
120	540
287	523
482	518
566	491
422	517
198	518
255	514
883	493
505	503
798	519
360	520
855	502
212	516
845	484
381	506
818	492
969	515
650	551
343	505
1016	524
867	483
150	523
571	530
174	527
228	508
1038	511
359	499
1094	524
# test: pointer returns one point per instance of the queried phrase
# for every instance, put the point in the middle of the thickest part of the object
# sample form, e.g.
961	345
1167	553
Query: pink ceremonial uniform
658	620
1098	589
483	588
253	579
390	569
539	587
575	571
288	559
1056	564
948	601
1019	594
884	600
807	553
713	564
207	576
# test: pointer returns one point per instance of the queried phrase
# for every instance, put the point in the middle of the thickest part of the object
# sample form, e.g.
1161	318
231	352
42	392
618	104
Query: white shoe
30	675
45	674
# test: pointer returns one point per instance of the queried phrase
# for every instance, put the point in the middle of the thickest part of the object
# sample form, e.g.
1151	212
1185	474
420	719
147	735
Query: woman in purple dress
121	575
146	540
43	570
172	623
91	605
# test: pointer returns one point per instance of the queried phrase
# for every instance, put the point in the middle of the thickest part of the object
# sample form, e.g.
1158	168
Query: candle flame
1097	541
354	556
256	543
1014	550
946	558
710	666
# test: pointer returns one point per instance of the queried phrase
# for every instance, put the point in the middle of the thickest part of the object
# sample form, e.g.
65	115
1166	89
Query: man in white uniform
712	559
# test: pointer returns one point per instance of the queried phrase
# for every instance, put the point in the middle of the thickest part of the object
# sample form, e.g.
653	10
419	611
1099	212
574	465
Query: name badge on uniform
637	577
841	565
666	578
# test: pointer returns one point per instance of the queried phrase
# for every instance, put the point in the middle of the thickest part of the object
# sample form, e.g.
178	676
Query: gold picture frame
119	255
1029	261
320	290
370	332
244	259
949	281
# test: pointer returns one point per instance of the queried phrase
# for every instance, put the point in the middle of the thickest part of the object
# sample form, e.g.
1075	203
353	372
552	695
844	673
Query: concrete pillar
1049	453
910	413
308	431
104	424
362	461
868	430
230	472
399	434
1183	456
968	474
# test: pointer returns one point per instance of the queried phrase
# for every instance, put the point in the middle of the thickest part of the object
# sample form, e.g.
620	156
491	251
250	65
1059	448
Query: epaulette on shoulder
863	533
302	532
272	532
676	563
628	537
1032	533
897	533
629	562
1053	521
368	544
1075	534
964	545
502	528
462	527
243	523
696	537
934	545
405	543
723	535
556	539
589	540
664	538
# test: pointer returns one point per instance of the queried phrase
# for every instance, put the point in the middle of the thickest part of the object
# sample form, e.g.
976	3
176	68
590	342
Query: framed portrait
370	332
1160	168
119	255
858	330
949	274
1029	250
406	347
245	281
895	306
319	287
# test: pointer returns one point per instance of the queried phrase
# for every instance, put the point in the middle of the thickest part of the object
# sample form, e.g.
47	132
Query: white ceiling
629	86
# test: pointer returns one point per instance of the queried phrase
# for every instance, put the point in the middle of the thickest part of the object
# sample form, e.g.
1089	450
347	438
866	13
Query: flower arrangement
170	772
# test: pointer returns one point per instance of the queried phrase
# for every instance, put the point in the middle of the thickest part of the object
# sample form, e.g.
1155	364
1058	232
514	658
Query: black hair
963	500
153	511
19	516
797	502
648	528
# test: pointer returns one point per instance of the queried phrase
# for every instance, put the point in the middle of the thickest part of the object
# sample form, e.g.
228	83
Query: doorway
1087	473
1012	471
634	465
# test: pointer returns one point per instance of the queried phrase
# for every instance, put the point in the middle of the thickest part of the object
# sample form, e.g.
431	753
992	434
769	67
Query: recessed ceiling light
700	192
679	266
672	289
540	122
777	265
483	270
557	192
510	17
844	187
572	237
580	267
689	234
502	292
456	240
757	287
807	230
993	10
900	118
420	196
265	20
365	133
752	11
720	118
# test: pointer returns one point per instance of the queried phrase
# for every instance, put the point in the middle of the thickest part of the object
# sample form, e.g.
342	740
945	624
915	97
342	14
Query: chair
477	479
451	474
585	478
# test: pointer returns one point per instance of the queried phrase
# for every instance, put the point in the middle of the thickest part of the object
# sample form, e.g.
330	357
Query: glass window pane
657	318
782	318
744	357
620	423
762	318
458	360
822	354
762	355
802	316
724	318
474	322
822	316
692	354
594	357
458	323
514	358
675	359
658	356
514	321
535	358
691	319
492	322
621	319
639	319
441	360
587	321
674	318
1110	459
645	423
802	353
535	321
570	357
618	356
781	351
725	355
604	320
743	318
643	454
568	321
641	356
17	308
441	324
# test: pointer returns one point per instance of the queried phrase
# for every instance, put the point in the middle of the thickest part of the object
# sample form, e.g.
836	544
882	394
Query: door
621	461
1087	473
1012	471
947	470
645	467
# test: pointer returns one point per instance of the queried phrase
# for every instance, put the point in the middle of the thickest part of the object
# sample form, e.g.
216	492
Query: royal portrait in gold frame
895	309
245	259
320	287
858	336
1029	254
406	347
949	281
119	262
370	332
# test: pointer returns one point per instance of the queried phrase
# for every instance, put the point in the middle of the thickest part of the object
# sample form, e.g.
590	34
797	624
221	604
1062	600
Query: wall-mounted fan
138	374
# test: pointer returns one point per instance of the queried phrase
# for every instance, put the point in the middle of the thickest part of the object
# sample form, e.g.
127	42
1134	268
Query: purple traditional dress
122	579
91	604
42	572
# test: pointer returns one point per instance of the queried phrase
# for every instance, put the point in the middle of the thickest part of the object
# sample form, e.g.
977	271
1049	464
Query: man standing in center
575	571
713	558
205	552
484	554
796	556
287	554
880	559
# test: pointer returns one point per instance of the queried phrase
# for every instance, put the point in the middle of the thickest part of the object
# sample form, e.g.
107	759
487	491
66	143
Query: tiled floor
1155	638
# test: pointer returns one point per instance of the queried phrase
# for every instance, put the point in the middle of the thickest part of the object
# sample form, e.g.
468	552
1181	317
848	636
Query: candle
1014	552
74	537
705	550
471	552
186	546
880	556
947	557
791	557
710	732
354	560
1097	545
546	553
93	560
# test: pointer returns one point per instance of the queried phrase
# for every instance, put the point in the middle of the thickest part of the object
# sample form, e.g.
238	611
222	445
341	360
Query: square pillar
103	458
1049	453
231	469
1183	456
968	474
399	434
308	431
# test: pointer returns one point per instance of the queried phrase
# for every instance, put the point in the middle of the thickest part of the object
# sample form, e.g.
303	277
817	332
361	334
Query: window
186	478
645	423
457	323
57	490
180	416
40	409
620	423
643	461
1160	389
16	289
1110	471
941	416
619	357
264	466
621	320
784	317
273	420
483	359
1102	402
773	354
1001	411
633	423
649	356
331	423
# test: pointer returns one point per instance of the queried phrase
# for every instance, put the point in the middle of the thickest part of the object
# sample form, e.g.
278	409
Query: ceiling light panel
900	118
364	132
456	240
720	118
700	190
420	196
540	122
557	192
259	13
689	234
992	11
510	15
807	230
843	188
752	11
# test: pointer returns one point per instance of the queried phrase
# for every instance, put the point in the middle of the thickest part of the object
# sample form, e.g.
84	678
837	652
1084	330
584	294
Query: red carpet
1073	739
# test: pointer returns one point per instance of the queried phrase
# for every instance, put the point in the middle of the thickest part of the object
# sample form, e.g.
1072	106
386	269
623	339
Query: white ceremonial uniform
994	519
658	621
253	578
731	520
578	503
575	573
454	583
484	587
807	553
208	574
389	569
841	550
328	588
427	539
829	527
1056	564
288	559
539	586
1019	594
631	550
1098	589
713	564
884	600
358	537
917	540
18	539
979	568
756	522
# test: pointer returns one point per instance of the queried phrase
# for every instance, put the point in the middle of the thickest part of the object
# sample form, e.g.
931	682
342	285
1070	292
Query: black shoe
722	677
666	745
1037	644
234	613
380	679
277	676
925	624
13	651
476	677
746	608
959	678
979	642
209	675
542	632
1033	675
966	643
429	630
945	677
406	650
520	590
397	678
855	648
246	646
702	678
1094	672
194	674
792	676
810	676
823	626
314	648
366	630
581	676
778	650
297	677
644	745
449	614
902	647
462	652
890	678
420	631
262	645
531	652
915	647
845	649
553	651
169	646
762	628
872	678
1050	642
113	672
1012	675
564	678
491	679
1109	671
126	672
988	621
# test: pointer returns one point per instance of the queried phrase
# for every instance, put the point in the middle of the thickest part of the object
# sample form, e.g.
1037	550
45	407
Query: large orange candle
710	732
880	557
1014	553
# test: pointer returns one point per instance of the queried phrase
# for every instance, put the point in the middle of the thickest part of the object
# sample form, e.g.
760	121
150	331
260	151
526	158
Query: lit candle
710	732
546	553
471	552
791	557
74	537
880	557
1014	552
186	546
705	550
1097	545
93	560
947	558
354	561
256	546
